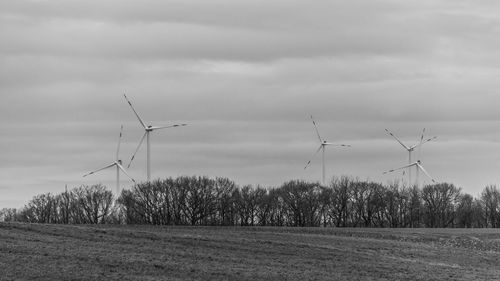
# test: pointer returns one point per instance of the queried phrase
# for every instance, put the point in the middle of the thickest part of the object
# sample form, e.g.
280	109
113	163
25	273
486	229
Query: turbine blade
425	172
333	144
123	170
110	165
400	168
138	117
425	141
406	147
428	140
119	142
420	144
170	126
309	162
137	149
317	131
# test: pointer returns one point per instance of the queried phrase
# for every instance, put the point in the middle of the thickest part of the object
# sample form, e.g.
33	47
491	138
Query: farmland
119	252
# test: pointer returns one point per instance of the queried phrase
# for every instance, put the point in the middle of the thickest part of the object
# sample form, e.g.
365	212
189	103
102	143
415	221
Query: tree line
344	202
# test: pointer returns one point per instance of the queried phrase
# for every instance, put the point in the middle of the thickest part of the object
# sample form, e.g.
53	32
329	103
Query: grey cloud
292	30
167	41
245	75
257	14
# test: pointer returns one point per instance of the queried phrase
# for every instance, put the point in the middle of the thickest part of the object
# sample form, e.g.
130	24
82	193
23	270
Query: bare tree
465	211
491	199
439	204
8	214
94	203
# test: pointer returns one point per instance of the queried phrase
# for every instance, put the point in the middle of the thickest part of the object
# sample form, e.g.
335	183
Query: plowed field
108	252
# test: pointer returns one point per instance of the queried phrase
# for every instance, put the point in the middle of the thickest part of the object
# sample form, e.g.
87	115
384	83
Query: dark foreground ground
57	252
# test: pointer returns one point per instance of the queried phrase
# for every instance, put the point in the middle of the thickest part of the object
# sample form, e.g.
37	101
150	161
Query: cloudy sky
245	76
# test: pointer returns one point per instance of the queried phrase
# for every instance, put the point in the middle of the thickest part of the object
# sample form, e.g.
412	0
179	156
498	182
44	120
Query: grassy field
61	252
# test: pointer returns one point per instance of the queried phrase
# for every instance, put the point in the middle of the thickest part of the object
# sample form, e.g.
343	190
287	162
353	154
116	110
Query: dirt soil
110	252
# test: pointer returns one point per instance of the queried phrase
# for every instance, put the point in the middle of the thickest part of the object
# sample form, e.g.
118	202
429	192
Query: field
108	252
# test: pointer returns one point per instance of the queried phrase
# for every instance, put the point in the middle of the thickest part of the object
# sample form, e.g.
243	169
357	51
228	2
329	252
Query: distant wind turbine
147	130
323	144
117	163
410	149
418	166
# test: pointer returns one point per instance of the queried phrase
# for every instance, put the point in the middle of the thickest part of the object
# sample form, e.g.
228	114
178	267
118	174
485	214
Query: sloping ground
58	252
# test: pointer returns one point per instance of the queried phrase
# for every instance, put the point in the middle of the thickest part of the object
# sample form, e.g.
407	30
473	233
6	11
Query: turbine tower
410	149
322	145
118	164
147	130
418	166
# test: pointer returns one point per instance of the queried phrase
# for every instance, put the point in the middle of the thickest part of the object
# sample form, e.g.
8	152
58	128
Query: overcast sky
245	76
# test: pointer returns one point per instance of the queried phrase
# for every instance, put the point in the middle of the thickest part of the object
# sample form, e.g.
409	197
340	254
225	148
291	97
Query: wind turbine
117	163
322	145
410	149
418	166
147	130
